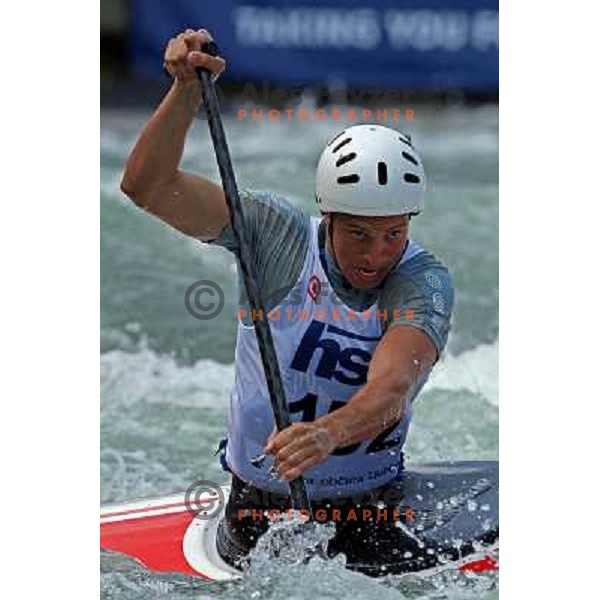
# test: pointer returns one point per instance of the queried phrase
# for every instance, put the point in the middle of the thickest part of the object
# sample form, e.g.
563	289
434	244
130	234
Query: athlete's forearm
370	411
158	151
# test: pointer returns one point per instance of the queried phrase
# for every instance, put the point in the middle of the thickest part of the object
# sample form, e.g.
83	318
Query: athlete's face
366	248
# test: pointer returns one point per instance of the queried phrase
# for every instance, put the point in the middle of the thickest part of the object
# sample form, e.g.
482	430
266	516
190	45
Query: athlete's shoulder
267	214
423	268
278	234
419	261
267	199
421	290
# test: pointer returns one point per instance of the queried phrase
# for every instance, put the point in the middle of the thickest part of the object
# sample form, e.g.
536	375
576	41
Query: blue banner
411	44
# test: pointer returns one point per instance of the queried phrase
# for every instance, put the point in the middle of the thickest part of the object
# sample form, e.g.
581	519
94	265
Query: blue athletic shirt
325	333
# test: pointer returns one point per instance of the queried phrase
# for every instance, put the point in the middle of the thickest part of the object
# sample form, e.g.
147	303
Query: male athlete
359	314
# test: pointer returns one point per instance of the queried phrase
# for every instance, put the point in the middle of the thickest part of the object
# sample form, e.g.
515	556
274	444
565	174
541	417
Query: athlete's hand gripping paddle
263	331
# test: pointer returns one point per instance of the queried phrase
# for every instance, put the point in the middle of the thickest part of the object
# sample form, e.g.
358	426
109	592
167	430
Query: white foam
475	370
127	377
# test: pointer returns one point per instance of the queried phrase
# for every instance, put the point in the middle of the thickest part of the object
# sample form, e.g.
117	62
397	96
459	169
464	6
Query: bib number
308	407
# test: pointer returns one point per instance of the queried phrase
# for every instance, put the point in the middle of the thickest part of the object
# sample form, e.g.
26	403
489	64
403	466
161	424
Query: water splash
290	561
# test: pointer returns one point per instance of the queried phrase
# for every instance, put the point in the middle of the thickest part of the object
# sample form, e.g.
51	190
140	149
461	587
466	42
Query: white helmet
372	171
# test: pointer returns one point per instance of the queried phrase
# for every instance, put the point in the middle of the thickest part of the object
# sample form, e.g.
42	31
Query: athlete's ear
326	218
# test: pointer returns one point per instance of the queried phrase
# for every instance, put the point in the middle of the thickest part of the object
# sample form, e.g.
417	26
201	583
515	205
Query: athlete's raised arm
152	178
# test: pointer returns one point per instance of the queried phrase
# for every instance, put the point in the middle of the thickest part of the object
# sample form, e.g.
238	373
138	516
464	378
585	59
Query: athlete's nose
375	254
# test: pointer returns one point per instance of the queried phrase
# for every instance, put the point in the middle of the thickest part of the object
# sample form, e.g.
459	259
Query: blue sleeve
422	292
278	233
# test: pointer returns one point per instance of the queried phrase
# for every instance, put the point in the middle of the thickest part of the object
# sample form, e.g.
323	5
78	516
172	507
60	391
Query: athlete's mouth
367	272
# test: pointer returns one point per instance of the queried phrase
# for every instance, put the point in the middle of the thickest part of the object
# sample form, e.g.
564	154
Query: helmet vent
405	139
335	137
344	159
348	179
341	144
410	158
411	178
381	173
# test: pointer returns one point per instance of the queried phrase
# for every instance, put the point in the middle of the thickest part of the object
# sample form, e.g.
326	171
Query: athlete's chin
364	286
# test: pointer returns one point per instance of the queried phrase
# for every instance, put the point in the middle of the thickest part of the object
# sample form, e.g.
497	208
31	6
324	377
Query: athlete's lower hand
298	448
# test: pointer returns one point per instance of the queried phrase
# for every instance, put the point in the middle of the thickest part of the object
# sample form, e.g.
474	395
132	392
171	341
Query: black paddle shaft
263	331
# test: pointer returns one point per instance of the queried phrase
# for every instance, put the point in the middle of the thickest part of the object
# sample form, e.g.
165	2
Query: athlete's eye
395	235
357	234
